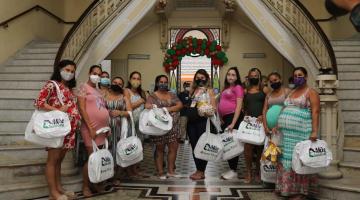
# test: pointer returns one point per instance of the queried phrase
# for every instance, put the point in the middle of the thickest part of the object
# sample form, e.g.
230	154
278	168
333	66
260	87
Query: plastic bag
232	146
101	164
250	131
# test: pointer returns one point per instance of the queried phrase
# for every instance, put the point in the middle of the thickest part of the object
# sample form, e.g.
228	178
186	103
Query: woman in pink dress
64	76
94	117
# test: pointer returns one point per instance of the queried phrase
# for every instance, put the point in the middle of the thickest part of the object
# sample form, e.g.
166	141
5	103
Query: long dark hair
56	76
301	69
202	72
157	79
260	84
238	80
139	90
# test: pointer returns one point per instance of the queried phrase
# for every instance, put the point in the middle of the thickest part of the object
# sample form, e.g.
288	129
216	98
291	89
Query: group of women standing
101	102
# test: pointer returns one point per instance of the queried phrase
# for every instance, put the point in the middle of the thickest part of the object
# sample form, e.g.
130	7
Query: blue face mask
105	81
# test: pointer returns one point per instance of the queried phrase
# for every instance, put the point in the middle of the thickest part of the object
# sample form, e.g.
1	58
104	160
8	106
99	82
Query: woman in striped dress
118	105
298	121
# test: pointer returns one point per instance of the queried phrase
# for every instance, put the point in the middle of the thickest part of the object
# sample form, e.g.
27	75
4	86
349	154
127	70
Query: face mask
276	85
334	10
163	86
135	83
104	81
253	81
291	85
200	82
187	89
66	76
299	81
94	79
116	88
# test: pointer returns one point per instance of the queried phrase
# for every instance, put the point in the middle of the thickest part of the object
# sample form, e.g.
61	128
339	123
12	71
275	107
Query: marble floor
149	186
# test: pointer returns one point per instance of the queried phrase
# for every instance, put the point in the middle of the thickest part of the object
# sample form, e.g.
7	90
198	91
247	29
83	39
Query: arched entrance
194	49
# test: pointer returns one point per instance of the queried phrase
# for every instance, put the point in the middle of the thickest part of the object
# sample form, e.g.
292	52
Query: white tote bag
315	154
250	131
129	149
209	146
101	164
232	146
52	124
30	136
268	171
298	166
147	123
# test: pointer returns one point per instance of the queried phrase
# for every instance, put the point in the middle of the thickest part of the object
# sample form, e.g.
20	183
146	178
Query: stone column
329	131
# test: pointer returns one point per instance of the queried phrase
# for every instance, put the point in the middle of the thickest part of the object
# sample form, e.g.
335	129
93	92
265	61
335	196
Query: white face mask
291	86
94	79
66	76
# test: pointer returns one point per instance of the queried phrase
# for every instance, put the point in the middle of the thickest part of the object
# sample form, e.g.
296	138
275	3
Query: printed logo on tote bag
131	149
269	168
211	148
54	123
316	152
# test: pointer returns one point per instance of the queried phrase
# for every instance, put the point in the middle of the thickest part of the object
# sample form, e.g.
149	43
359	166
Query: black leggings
194	130
227	119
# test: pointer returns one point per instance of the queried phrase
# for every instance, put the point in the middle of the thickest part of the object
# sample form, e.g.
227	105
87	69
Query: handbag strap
96	148
58	92
133	132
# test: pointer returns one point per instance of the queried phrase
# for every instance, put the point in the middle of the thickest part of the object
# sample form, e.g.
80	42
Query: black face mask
276	85
355	17
200	82
116	88
253	81
163	86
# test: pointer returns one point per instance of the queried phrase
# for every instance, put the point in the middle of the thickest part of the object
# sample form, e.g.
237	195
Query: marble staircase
347	54
22	164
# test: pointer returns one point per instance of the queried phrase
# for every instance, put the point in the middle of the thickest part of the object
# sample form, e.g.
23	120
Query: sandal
61	197
197	176
247	179
87	193
70	194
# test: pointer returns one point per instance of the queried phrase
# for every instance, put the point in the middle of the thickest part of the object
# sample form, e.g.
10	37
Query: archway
194	47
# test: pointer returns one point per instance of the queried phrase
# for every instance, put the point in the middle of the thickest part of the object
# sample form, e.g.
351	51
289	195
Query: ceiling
194	3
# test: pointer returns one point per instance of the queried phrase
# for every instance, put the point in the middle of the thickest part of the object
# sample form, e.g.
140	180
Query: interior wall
341	28
36	25
242	41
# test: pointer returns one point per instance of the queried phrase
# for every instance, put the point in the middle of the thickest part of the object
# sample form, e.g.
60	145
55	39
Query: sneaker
163	177
174	175
229	175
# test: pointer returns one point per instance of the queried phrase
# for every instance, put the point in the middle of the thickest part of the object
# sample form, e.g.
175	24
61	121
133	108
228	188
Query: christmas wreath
190	45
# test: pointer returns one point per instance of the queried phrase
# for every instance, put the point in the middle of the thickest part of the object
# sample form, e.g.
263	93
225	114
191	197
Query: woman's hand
230	127
115	113
64	108
260	119
275	130
267	131
313	137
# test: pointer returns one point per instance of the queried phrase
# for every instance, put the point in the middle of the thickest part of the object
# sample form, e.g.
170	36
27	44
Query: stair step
26	76
350	169
350	104
346	48
22	171
344	54
36	56
45	45
349	75
343	84
29	69
13	138
21	85
22	152
13	127
345	42
40	50
37	189
32	62
348	68
15	116
345	61
19	94
351	154
345	188
352	140
23	104
352	127
346	94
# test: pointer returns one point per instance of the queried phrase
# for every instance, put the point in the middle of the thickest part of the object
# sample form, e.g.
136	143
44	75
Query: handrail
5	23
89	25
294	15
